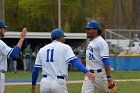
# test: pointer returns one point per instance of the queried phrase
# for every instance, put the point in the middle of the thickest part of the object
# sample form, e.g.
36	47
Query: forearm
35	73
22	37
108	75
106	63
33	89
20	42
78	64
108	70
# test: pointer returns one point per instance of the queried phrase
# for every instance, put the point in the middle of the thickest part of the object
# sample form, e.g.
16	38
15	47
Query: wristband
109	78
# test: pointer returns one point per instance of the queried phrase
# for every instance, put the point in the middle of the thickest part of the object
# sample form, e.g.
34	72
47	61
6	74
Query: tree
42	15
136	14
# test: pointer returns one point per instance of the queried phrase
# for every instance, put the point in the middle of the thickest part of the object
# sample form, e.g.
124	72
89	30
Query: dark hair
55	38
99	31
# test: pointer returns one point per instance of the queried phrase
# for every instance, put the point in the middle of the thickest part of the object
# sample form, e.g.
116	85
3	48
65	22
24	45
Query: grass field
79	75
125	87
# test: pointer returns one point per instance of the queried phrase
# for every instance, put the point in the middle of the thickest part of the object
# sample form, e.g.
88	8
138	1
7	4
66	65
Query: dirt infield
70	81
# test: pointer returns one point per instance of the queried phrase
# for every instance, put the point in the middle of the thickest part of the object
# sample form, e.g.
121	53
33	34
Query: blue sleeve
15	52
35	73
78	64
106	61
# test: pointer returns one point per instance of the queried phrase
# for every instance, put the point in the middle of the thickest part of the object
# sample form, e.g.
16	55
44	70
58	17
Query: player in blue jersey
53	59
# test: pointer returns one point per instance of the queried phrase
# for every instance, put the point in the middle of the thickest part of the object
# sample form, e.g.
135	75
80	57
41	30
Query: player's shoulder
42	48
101	41
2	43
64	45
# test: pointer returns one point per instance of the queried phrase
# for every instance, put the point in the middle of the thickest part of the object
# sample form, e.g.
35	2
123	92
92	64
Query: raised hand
23	33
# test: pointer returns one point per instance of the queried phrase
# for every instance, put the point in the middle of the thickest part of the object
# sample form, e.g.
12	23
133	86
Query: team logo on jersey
90	52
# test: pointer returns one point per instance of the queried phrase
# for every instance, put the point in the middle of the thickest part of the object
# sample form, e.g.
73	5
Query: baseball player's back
54	58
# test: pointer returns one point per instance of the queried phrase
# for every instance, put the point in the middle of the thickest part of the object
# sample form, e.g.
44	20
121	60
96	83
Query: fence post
117	63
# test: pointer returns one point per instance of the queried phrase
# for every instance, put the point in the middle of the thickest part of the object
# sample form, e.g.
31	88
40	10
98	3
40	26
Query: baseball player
97	60
53	59
6	51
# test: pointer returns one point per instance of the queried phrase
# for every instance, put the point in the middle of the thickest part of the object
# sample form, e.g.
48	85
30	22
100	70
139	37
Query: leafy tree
42	15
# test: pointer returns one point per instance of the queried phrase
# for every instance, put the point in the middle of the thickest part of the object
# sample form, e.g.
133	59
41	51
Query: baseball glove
113	88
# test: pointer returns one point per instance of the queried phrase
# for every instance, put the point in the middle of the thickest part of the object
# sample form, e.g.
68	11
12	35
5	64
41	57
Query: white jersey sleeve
4	49
38	61
69	54
103	49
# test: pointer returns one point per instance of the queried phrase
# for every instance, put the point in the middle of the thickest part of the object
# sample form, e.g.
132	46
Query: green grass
19	89
11	75
126	75
125	87
79	75
129	87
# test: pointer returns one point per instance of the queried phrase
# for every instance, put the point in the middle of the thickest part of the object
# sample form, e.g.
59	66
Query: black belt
92	71
59	77
2	71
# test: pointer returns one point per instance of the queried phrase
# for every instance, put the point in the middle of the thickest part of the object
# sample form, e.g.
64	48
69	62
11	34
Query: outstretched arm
17	48
22	37
78	64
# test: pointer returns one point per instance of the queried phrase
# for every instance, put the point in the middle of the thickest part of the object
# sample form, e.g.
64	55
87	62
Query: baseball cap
93	24
57	33
2	24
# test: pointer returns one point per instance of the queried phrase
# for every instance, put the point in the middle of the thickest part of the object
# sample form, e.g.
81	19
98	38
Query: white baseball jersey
54	58
96	50
5	51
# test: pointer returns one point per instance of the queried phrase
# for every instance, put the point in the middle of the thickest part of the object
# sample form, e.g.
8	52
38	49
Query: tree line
42	15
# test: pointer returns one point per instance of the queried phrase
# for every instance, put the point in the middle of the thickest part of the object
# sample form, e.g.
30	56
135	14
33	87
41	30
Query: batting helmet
57	33
93	24
2	24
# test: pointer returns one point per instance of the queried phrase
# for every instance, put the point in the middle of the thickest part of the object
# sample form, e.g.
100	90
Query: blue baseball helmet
57	33
2	24
93	24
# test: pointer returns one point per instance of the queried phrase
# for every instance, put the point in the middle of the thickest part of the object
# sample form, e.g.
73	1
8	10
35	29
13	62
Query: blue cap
93	24
2	24
57	33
